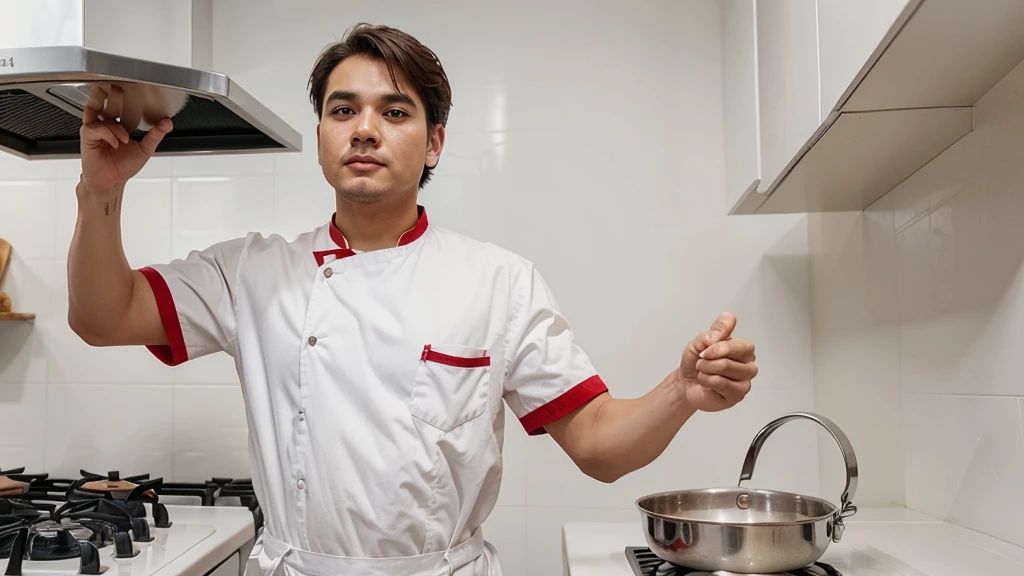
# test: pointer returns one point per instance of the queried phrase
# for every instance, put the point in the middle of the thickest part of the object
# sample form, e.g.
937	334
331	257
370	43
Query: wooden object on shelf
5	300
5	257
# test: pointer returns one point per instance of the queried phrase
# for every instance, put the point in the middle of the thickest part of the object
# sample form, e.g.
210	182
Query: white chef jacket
373	382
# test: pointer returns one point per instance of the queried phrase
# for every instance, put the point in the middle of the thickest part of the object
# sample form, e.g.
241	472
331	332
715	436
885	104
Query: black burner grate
646	563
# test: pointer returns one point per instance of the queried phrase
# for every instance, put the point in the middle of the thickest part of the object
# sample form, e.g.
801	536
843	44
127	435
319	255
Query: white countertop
877	542
232	526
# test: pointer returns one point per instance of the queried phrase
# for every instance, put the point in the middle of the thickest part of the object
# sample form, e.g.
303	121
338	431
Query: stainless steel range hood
44	89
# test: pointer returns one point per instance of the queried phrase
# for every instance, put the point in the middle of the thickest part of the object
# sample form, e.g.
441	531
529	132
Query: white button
301	484
312	340
328	273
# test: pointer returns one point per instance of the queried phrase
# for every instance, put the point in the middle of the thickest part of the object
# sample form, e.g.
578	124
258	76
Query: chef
376	351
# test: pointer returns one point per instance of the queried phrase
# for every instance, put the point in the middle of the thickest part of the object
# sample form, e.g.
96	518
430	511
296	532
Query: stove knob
123	547
160	518
140	530
90	561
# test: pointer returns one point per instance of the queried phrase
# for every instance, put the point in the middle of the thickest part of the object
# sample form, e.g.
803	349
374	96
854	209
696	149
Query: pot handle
846	507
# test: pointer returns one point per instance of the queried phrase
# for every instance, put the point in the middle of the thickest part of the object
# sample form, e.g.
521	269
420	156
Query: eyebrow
393	98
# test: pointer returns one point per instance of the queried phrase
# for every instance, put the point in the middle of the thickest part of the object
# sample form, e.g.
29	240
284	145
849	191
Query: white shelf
860	157
912	99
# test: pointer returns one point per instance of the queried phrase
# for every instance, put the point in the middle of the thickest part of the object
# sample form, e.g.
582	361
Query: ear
319	157
434	145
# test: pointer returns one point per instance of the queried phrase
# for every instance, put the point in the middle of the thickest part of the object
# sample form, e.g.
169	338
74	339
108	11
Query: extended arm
609	438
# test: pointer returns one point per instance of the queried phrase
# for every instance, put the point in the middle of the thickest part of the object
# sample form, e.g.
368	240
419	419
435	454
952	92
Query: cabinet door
739	98
848	33
788	99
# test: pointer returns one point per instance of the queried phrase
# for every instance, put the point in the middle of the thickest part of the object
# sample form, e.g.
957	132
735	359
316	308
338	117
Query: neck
376	225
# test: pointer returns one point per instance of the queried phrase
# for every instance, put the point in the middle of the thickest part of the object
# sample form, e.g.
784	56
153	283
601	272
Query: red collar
343	250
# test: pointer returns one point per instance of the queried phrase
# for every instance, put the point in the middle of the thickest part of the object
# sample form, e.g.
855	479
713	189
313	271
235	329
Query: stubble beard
361	192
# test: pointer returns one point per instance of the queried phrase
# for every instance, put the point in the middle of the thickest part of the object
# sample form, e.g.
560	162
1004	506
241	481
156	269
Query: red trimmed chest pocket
451	385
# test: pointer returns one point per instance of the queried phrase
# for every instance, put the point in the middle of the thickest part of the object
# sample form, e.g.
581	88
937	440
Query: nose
367	130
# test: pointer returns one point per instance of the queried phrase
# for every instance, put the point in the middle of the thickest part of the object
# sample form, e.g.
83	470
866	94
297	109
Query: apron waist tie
309	563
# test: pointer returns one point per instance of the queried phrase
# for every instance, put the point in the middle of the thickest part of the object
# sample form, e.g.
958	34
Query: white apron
276	558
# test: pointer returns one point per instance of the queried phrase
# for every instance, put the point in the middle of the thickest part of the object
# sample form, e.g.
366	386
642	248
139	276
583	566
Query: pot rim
829	506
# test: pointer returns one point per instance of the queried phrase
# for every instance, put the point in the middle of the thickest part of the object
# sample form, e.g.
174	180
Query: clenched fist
716	368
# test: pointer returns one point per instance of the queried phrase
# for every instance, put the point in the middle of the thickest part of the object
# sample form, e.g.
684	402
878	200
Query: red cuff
175	352
577	397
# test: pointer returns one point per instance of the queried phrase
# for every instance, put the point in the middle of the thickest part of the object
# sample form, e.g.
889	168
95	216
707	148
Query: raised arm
109	304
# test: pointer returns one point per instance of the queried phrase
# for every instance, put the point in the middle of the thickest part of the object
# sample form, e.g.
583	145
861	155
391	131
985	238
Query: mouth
363	163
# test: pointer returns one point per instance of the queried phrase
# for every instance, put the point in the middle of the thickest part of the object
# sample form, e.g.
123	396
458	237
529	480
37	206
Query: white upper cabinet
787	80
852	96
848	32
739	98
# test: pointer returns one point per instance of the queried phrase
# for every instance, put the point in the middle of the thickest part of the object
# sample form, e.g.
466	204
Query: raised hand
716	369
109	157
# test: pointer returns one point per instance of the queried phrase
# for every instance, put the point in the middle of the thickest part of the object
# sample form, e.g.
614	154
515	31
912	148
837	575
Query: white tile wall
23	408
941	257
79	434
968	453
209	433
551	153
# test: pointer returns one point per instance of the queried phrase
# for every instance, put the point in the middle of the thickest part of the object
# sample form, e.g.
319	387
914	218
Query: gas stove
136	524
646	563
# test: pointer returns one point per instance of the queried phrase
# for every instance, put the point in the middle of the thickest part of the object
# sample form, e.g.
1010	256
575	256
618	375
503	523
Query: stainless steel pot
749	531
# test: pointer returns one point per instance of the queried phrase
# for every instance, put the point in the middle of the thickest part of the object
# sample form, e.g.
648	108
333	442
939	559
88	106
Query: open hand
716	368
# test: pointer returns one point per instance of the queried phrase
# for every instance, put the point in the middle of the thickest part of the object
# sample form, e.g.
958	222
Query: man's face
373	141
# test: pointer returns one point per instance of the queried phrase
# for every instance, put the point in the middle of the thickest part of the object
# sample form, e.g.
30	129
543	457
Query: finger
115	103
733	391
712	382
155	135
97	132
735	348
115	106
730	369
94	107
117	129
722	327
696	347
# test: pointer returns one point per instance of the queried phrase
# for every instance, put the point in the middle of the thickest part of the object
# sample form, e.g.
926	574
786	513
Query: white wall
919	323
158	30
40	23
593	148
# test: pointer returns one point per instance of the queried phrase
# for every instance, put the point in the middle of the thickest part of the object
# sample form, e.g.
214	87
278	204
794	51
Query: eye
395	113
343	110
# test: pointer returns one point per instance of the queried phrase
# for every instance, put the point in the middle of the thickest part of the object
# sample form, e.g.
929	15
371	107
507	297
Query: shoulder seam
238	275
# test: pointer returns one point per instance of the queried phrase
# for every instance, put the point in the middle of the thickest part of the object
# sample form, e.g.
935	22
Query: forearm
628	434
100	281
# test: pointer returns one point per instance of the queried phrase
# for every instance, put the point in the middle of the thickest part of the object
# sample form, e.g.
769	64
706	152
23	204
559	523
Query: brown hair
396	48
